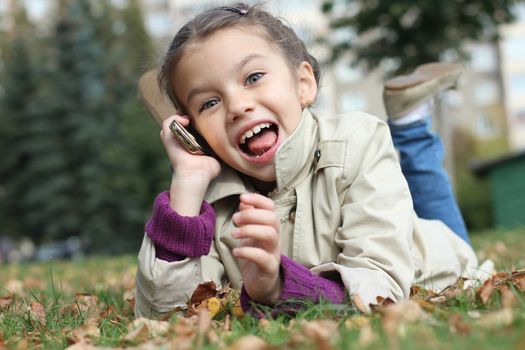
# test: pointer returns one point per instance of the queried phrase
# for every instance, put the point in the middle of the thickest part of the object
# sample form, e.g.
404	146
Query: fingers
266	262
254	216
244	206
264	236
257	200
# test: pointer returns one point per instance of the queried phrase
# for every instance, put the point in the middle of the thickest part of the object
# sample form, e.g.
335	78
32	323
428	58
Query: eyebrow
237	67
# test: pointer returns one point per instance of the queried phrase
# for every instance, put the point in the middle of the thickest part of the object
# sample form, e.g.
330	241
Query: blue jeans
421	156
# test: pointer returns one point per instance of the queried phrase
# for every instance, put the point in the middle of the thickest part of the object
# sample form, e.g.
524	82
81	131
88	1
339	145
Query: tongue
260	143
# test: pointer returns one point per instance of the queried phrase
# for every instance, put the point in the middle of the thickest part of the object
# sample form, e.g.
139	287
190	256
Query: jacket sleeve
162	286
299	284
377	222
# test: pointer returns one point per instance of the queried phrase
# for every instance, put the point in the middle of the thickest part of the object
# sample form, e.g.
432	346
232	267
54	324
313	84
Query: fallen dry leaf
485	291
508	298
381	301
31	282
183	332
357	322
397	315
37	312
250	342
426	305
518	279
203	325
129	298
367	335
458	325
418	292
237	310
202	292
142	329
14	286
440	299
496	319
213	305
206	295
87	305
321	332
6	301
84	333
452	292
87	346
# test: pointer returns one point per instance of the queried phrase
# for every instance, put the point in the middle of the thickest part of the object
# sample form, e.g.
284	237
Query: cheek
212	133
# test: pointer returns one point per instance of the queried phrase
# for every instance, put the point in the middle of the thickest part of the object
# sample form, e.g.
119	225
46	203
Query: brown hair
243	15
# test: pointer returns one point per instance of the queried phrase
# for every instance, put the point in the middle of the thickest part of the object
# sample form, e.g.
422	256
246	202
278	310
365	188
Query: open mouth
259	139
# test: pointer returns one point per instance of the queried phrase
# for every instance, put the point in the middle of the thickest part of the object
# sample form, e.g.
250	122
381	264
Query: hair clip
239	11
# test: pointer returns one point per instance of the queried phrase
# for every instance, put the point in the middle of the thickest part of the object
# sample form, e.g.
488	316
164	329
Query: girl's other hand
259	252
184	163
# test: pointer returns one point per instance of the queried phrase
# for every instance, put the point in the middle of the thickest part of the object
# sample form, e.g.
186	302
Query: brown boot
405	92
151	96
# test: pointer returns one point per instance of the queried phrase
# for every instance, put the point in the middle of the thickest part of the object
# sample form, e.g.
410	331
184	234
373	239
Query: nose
239	105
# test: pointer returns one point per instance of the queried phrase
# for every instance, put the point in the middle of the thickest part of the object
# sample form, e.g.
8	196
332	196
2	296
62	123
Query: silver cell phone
186	139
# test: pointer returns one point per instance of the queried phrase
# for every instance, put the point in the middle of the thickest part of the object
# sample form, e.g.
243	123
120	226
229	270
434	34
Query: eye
208	104
252	78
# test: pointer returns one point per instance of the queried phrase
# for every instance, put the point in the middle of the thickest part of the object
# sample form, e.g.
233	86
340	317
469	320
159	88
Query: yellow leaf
357	322
213	305
237	309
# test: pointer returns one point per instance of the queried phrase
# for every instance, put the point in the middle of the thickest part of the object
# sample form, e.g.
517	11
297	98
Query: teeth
253	131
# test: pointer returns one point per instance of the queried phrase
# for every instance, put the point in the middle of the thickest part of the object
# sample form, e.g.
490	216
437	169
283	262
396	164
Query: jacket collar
294	158
293	161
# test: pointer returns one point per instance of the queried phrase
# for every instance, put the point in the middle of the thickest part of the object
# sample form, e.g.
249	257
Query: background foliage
406	33
79	155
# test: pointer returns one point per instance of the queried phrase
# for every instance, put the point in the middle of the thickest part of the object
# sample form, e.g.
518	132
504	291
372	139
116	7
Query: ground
87	304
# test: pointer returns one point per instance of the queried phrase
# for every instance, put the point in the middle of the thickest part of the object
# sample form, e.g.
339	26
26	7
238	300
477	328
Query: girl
288	204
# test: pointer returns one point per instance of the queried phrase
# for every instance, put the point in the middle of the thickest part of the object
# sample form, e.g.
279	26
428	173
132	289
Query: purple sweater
177	237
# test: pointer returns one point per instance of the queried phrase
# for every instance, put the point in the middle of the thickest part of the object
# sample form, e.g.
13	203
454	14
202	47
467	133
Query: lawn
88	304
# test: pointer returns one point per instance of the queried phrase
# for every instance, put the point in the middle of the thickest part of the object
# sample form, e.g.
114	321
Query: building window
347	74
514	48
486	93
351	101
516	88
483	57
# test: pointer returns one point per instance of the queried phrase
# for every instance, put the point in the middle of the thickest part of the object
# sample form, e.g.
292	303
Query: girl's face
242	97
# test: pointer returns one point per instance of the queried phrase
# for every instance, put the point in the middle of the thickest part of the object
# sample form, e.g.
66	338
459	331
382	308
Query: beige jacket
344	207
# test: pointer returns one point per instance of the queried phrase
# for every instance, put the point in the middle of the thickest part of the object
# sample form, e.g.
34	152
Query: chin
264	177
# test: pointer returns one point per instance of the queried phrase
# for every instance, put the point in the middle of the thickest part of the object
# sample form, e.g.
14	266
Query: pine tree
81	156
16	113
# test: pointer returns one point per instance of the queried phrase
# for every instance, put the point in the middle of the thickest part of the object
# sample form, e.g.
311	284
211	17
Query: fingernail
236	233
235	217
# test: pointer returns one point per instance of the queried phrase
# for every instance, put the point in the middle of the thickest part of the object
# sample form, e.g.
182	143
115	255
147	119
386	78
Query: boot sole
404	93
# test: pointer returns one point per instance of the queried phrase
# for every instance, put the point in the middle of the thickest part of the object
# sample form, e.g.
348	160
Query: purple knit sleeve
300	283
177	237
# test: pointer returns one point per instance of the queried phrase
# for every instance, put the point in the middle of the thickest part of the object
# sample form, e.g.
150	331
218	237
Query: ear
307	86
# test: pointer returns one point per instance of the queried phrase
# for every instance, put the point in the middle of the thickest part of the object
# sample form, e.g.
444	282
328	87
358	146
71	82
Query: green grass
459	321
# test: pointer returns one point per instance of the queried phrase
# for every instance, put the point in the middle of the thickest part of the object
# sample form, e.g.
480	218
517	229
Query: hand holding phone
186	139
